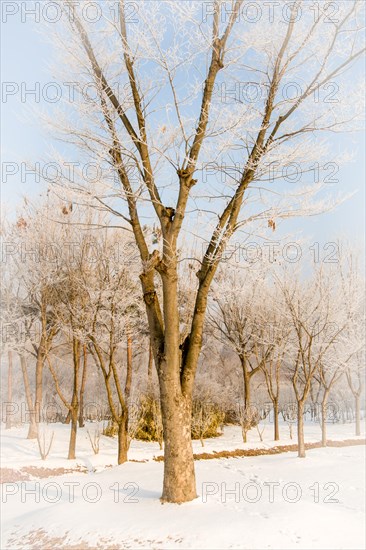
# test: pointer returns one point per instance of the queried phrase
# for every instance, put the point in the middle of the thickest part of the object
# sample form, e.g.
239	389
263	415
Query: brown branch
57	385
217	62
143	148
101	78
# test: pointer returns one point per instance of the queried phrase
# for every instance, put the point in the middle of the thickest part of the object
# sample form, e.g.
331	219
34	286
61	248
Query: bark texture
8	422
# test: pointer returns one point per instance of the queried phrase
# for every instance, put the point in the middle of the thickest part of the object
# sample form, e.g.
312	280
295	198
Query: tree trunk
32	432
129	367
275	420
74	428
179	476
179	483
150	367
123	438
358	414
82	389
74	408
324	414
8	422
246	380
300	429
246	388
33	427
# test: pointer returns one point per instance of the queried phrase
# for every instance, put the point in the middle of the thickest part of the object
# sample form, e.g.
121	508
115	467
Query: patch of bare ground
9	475
271	450
39	539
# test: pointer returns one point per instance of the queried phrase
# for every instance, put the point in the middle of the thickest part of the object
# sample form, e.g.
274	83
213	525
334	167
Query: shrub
150	423
207	420
111	429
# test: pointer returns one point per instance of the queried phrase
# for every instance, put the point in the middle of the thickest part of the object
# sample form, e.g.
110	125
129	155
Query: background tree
31	263
355	378
114	313
275	338
237	319
312	308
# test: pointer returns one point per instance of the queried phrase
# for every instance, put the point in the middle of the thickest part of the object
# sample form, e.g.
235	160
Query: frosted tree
275	339
96	310
10	318
236	319
159	126
29	254
352	356
314	314
346	357
355	378
114	315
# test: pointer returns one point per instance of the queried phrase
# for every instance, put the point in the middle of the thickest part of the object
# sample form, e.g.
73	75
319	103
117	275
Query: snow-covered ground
277	501
17	451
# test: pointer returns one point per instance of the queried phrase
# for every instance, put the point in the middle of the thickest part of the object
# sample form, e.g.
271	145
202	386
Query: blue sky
25	58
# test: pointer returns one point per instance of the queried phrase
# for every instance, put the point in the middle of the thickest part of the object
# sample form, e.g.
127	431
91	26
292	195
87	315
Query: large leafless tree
160	124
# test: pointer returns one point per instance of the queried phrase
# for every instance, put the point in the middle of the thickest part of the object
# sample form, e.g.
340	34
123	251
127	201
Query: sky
25	60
